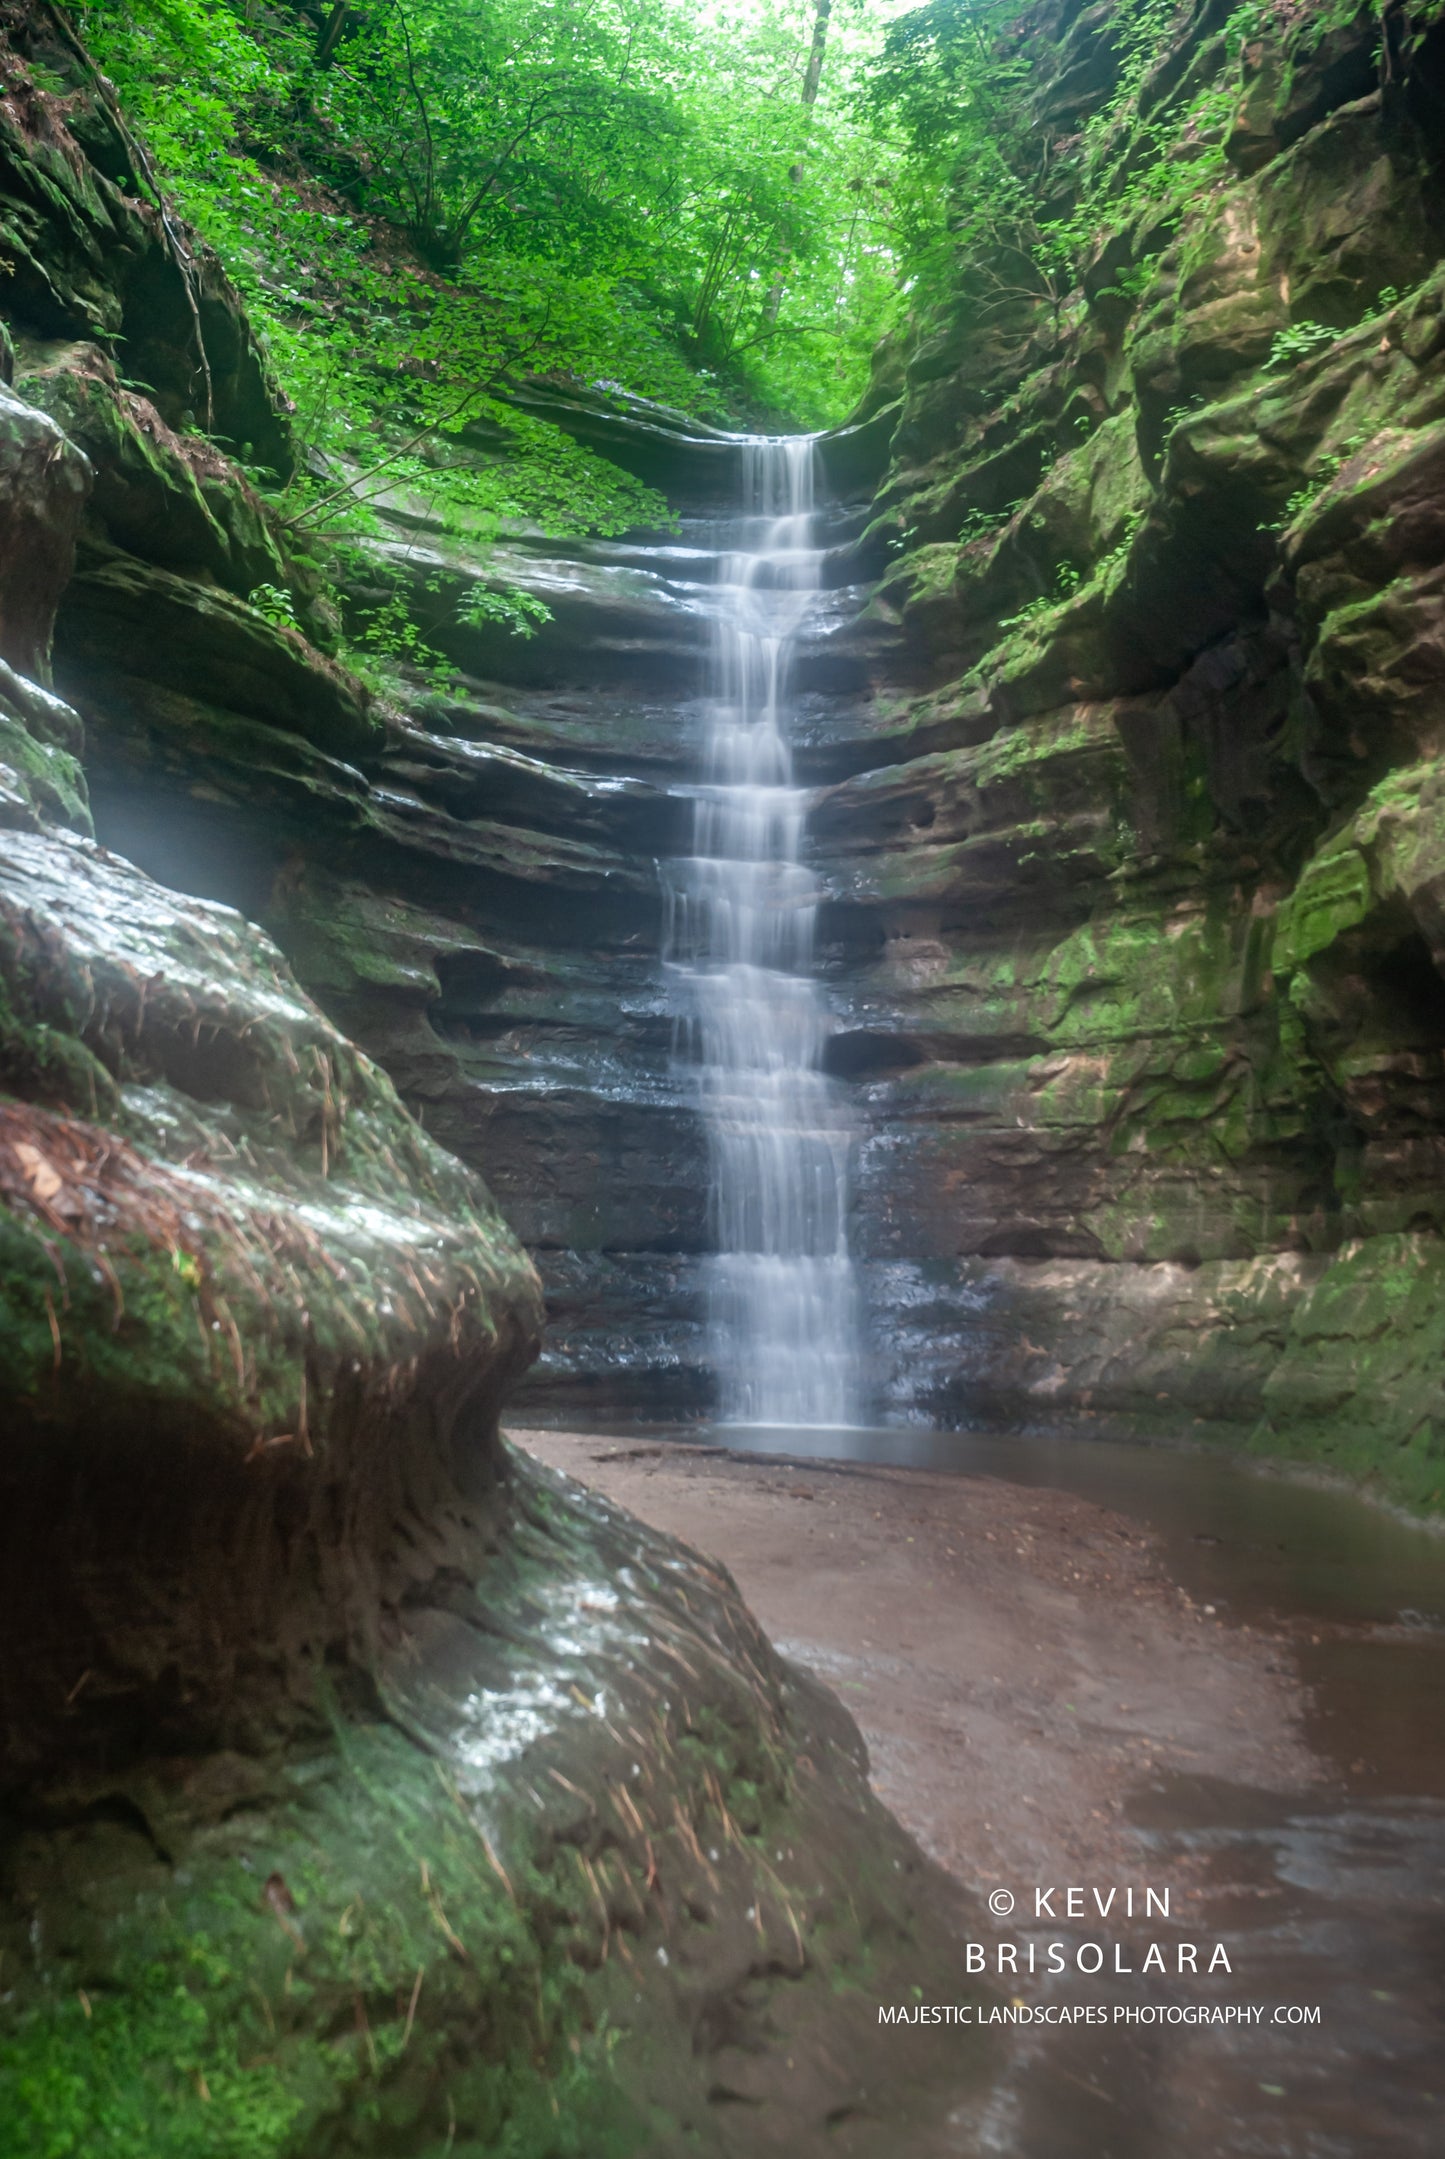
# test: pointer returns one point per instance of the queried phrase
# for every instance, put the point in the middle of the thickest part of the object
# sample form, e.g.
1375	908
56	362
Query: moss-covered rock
124	619
170	498
596	1876
42	780
44	481
231	1267
1357	1386
1141	963
93	255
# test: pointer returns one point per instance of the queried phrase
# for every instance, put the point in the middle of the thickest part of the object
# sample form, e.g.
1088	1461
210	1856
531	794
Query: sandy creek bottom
1093	1666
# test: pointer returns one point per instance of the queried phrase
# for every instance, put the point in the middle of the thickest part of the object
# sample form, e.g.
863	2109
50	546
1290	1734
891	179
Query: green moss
1026	753
1358	1385
348	1973
42	775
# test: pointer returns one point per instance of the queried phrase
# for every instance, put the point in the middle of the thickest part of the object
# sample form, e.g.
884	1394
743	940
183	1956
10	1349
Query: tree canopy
685	199
718	204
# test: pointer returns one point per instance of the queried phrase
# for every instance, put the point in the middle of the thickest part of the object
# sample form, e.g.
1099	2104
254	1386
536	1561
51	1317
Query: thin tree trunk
812	75
815	56
331	33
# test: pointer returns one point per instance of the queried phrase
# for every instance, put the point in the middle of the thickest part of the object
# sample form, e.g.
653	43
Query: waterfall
752	1016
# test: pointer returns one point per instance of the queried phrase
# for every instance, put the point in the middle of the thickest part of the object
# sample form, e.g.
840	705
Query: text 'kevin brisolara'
1092	1957
1096	2013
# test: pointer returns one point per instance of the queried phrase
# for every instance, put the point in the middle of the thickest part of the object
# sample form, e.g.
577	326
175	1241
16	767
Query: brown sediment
1018	1660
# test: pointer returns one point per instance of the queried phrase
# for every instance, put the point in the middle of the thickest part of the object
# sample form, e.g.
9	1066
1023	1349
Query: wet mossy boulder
170	498
125	621
42	780
596	1876
240	1287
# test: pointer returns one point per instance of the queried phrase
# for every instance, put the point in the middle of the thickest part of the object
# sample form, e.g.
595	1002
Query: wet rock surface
364	1787
596	1872
250	1310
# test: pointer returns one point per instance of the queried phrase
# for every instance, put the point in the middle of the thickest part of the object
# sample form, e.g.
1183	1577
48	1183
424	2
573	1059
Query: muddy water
1329	1899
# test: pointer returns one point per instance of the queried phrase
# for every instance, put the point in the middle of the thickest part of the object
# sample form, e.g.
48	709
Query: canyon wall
1138	915
1122	716
362	1787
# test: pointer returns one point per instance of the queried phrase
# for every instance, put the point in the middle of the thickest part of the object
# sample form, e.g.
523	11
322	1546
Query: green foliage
519	611
1068	578
469	191
273	604
983	524
1133	283
1327	470
1299	340
984	179
950	85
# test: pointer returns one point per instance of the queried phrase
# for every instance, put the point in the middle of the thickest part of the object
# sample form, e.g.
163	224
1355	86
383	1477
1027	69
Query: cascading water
753	1019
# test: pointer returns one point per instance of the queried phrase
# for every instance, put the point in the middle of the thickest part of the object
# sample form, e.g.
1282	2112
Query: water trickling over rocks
753	1018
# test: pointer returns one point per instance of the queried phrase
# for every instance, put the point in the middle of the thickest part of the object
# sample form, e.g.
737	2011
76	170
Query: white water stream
753	1019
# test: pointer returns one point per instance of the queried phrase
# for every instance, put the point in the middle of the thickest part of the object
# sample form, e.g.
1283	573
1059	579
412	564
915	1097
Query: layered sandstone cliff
1123	718
1140	918
361	1788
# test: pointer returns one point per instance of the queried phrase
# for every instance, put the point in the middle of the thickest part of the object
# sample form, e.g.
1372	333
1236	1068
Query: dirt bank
1020	1661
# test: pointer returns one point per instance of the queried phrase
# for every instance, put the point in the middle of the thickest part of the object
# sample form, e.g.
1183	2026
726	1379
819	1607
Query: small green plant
49	80
273	604
1068	577
520	612
1299	340
1328	470
1133	283
387	640
1178	414
1118	554
980	524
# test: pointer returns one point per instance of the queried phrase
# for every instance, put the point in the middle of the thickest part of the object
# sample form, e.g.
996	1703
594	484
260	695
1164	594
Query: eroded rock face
363	1786
1124	713
1137	931
90	251
44	481
169	497
256	1326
